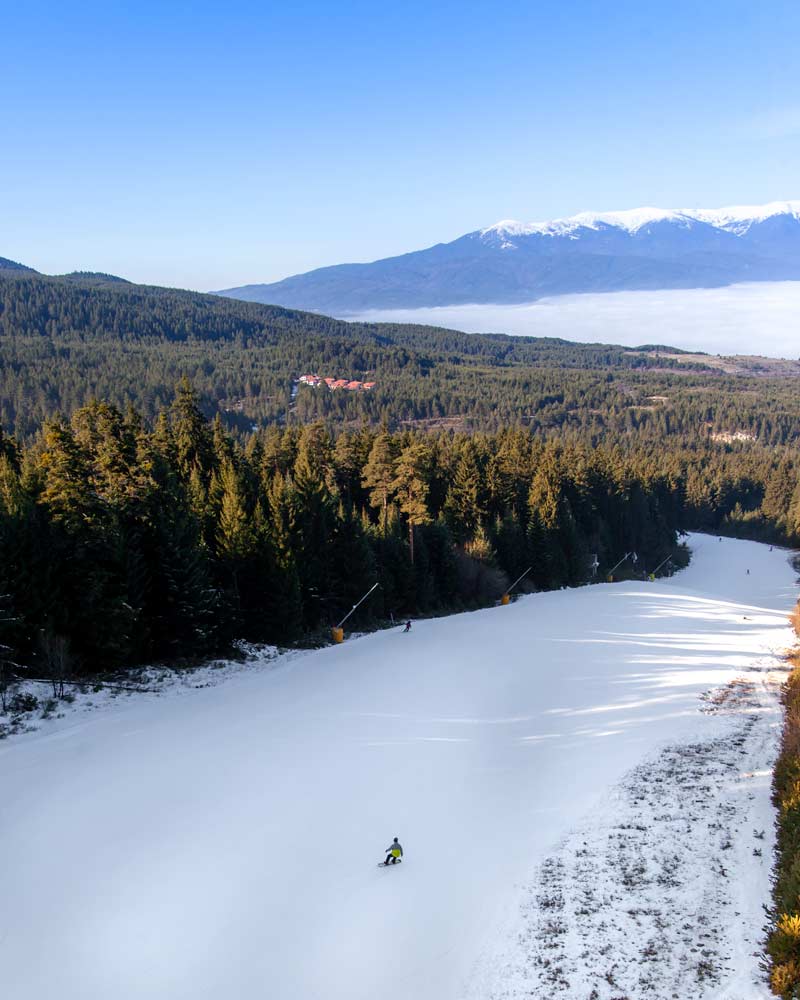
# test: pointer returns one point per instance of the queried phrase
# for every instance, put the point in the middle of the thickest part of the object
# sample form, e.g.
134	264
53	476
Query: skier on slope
408	627
394	852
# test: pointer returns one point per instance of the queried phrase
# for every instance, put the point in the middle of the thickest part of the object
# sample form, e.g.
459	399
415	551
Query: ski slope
224	843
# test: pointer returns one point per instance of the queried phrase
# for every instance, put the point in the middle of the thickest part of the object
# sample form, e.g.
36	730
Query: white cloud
758	318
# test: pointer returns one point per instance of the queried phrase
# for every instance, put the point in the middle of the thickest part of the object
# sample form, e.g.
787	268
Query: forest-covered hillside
65	341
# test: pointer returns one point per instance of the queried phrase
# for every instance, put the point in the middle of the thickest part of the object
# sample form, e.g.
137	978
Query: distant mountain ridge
514	262
78	277
12	265
89	277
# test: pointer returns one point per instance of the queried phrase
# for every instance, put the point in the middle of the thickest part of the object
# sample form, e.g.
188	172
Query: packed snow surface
224	843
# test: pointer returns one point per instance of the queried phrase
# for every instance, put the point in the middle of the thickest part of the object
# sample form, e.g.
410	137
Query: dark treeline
122	543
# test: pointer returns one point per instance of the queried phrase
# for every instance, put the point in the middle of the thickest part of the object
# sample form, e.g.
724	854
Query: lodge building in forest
315	381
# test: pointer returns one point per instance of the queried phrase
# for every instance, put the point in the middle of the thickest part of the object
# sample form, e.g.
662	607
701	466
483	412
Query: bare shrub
57	660
478	582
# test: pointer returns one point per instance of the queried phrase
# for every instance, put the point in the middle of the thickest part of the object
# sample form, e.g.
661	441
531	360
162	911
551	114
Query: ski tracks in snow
660	892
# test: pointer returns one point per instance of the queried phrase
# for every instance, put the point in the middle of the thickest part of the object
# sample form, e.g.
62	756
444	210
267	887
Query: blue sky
206	145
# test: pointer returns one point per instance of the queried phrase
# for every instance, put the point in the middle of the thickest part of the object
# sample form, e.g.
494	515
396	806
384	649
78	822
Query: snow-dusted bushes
23	701
783	945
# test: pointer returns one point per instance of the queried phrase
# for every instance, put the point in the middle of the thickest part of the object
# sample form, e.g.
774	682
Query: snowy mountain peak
735	219
513	262
630	220
739	218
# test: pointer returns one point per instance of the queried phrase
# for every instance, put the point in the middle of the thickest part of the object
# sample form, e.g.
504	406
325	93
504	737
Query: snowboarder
394	852
408	627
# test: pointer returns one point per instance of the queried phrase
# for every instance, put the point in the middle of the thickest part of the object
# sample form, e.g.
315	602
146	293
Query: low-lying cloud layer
759	318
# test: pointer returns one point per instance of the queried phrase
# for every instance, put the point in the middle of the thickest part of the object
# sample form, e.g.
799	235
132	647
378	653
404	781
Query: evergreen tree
190	432
378	476
465	507
284	611
410	487
313	517
235	535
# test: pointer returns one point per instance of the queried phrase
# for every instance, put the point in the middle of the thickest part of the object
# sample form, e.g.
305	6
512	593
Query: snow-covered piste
225	843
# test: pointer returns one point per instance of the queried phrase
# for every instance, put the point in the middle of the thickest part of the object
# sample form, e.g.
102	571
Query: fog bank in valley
758	318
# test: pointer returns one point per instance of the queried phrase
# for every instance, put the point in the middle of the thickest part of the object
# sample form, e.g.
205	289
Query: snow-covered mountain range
736	219
642	248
